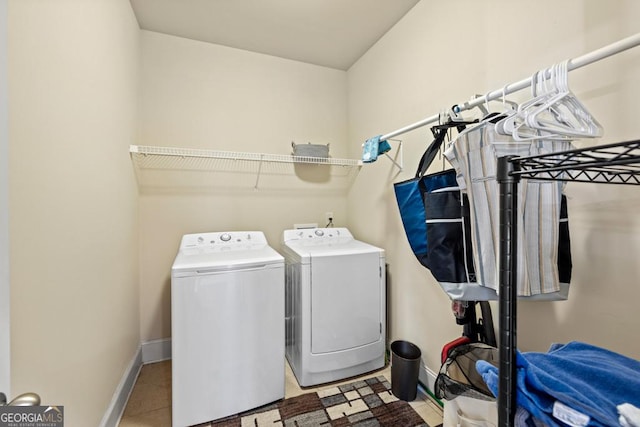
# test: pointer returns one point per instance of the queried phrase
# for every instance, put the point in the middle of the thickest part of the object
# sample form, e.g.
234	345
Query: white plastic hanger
562	113
515	124
487	110
553	112
499	126
543	89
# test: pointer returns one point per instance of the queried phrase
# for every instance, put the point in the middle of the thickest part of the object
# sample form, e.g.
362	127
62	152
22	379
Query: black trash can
405	367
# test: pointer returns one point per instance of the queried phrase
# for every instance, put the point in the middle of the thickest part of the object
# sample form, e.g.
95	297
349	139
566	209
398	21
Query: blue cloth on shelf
374	147
383	147
572	379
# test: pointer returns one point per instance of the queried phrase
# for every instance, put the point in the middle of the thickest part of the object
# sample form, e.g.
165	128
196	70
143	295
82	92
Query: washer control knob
225	237
319	233
200	240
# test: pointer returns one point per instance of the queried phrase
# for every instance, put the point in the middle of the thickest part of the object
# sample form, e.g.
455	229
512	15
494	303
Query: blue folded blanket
374	147
574	384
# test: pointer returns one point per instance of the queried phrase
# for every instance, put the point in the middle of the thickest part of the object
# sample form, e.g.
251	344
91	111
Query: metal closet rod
574	63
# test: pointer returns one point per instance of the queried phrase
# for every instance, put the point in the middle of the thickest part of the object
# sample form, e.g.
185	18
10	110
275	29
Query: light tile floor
150	402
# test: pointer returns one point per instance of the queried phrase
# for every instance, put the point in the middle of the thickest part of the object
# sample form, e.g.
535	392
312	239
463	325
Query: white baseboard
427	377
156	350
148	352
114	412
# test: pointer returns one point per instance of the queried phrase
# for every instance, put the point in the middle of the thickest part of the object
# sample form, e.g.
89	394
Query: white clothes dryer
227	326
335	305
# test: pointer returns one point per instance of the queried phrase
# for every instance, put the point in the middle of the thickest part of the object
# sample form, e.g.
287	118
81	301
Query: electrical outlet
328	216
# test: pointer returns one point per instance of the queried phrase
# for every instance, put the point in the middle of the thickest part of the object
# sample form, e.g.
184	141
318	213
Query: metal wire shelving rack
608	164
617	163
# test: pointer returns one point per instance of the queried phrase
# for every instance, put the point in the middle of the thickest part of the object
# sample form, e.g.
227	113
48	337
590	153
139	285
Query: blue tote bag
436	219
410	197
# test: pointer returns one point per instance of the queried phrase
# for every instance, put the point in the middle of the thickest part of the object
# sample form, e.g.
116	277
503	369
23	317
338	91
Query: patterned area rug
365	403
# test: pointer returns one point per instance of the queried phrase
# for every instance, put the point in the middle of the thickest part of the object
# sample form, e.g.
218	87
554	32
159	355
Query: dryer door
345	301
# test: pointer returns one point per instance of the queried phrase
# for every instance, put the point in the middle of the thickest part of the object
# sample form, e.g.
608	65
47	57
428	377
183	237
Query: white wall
205	96
5	337
442	53
72	201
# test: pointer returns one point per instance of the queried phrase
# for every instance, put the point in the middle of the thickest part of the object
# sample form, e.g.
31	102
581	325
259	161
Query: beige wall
5	320
73	201
199	95
442	53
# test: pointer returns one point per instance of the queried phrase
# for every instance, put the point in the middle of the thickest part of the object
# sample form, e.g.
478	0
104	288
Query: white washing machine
335	305
227	326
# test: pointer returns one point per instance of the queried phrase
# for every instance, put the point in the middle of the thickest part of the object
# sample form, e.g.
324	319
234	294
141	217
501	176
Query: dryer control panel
316	233
223	238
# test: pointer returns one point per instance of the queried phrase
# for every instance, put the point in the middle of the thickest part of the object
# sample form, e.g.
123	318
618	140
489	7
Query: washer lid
307	249
211	259
224	255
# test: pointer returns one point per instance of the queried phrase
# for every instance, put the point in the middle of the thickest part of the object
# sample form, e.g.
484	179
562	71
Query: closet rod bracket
399	154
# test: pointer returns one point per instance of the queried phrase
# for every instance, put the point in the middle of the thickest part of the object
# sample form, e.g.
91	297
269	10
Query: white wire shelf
165	167
232	155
